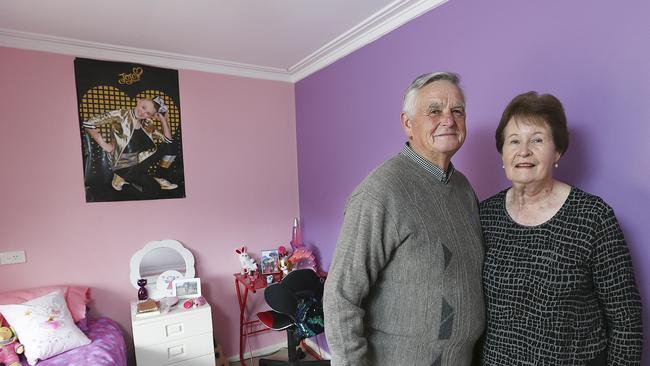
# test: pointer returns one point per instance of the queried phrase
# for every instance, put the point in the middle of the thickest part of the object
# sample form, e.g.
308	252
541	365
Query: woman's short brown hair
533	106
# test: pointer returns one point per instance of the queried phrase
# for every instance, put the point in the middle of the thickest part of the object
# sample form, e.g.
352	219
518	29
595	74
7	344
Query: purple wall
593	55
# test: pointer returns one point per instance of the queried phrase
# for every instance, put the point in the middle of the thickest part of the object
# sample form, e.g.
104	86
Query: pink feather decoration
303	258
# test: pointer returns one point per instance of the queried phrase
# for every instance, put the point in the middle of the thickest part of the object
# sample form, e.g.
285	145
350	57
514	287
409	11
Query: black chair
297	307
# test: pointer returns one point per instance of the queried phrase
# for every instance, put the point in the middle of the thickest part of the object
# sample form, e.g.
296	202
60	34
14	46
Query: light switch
17	256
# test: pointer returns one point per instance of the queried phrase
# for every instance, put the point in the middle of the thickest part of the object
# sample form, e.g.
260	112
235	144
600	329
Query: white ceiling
269	39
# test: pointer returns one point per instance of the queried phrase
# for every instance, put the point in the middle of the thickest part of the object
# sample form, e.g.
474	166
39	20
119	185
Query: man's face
436	130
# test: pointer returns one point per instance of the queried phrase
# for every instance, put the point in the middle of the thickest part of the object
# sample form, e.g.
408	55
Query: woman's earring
503	166
556	165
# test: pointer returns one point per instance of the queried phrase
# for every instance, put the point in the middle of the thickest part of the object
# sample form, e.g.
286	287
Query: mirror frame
136	259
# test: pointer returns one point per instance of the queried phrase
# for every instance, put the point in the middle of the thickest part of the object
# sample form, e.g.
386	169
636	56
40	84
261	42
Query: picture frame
269	261
186	288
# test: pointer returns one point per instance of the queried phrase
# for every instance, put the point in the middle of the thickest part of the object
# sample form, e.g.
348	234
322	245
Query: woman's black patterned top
560	293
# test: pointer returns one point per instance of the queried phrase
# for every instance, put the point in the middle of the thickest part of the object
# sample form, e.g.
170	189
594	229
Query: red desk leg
246	327
242	308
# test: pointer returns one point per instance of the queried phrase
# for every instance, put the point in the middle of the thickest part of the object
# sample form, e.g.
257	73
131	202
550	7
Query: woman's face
144	109
528	151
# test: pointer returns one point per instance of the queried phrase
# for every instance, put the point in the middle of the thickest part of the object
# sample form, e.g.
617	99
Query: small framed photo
269	261
185	288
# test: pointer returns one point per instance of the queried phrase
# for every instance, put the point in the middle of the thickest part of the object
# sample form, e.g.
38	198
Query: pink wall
239	147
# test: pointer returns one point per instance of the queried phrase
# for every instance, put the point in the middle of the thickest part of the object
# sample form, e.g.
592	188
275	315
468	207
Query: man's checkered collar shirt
437	173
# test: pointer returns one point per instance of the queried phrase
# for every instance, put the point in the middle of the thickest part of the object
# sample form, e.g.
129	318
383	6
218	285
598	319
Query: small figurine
284	265
199	301
194	303
248	264
282	252
10	348
142	291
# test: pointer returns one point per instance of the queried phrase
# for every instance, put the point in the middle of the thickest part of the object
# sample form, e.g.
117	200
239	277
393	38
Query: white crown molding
372	28
387	19
68	46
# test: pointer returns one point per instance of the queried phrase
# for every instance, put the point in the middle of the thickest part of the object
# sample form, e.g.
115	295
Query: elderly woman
558	278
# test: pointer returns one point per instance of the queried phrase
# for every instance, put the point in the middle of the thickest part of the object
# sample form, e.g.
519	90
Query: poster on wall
130	124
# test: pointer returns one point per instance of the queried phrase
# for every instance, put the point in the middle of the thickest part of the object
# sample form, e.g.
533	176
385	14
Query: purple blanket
107	347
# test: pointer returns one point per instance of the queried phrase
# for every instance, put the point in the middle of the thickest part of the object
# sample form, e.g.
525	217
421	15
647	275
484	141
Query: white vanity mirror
160	262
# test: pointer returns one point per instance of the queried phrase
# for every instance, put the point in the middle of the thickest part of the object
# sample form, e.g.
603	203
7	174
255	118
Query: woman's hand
106	146
165	125
160	117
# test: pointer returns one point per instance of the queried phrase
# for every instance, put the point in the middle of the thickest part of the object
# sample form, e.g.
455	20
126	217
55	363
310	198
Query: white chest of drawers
180	338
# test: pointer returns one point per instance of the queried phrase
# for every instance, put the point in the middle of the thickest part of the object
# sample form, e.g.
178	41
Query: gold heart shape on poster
105	98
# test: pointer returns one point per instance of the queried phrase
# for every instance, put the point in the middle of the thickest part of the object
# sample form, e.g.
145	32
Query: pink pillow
76	297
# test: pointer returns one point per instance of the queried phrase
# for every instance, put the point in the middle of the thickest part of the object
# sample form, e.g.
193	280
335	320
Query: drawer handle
173	329
175	351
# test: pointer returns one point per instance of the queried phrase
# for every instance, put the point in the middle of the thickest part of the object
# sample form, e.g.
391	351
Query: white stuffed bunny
248	264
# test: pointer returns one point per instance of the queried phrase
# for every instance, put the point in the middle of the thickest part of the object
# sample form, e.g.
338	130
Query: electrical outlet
12	257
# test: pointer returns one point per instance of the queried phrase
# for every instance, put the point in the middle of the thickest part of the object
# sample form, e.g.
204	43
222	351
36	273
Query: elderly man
404	287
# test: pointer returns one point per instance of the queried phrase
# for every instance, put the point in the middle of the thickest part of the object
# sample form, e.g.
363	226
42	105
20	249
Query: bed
106	349
52	324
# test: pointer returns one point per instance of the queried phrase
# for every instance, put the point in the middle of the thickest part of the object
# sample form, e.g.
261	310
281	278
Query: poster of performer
130	123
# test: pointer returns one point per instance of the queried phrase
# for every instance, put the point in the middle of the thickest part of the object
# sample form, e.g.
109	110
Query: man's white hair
408	106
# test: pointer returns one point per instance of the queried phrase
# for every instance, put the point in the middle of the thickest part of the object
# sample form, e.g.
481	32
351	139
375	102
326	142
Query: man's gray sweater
404	287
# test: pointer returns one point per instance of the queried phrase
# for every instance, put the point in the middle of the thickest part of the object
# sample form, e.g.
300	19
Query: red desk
244	284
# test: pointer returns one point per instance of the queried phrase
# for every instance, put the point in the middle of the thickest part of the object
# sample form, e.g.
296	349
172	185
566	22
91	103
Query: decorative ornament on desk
284	265
296	235
301	257
165	281
166	304
248	265
142	291
199	301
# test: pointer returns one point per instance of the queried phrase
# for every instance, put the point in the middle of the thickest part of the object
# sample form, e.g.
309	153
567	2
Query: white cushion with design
44	326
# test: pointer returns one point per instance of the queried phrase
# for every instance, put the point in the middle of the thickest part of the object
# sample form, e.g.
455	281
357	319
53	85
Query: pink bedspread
107	347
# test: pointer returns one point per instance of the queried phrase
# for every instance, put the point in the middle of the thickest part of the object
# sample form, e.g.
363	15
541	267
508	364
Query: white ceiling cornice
387	19
67	46
384	21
